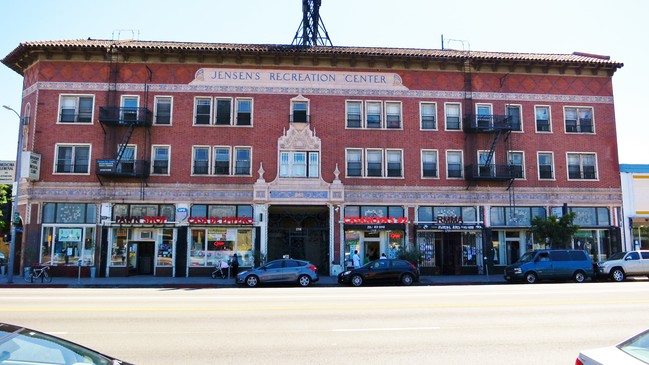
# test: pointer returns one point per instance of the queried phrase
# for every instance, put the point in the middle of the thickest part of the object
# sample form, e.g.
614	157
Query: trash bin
26	271
93	271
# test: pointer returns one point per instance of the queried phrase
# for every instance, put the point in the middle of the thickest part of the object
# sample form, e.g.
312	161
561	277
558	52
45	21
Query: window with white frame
517	164
299	111
223	111
374	113
546	165
542	116
393	114
201	160
217	160
354	110
242	162
484	116
202	111
162	110
127	161
129	109
454	164
244	112
582	166
374	160
354	162
428	116
395	163
76	108
452	114
428	163
72	159
160	160
222	160
514	116
299	164
487	166
578	120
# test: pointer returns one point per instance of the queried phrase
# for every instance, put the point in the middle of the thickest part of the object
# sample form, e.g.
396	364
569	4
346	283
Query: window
428	115
517	164
452	117
201	161
546	170
128	112
244	112
374	114
162	110
484	116
72	159
76	109
429	163
393	114
581	166
579	120
222	160
454	164
374	163
223	111
127	161
542	114
487	166
354	114
299	112
514	114
354	162
161	160
394	163
299	164
202	111
242	160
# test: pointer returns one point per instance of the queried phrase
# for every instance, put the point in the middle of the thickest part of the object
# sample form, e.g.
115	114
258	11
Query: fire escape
122	121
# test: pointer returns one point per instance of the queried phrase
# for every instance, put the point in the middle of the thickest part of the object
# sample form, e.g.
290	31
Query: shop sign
221	220
141	220
451	227
375	220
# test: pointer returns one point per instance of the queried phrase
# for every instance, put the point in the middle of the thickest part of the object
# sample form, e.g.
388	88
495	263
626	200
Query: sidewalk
207	282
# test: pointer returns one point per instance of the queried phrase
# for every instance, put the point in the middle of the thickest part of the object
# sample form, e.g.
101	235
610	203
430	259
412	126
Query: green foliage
557	232
413	255
5	207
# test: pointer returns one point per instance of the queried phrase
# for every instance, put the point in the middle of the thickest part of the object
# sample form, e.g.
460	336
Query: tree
557	232
5	207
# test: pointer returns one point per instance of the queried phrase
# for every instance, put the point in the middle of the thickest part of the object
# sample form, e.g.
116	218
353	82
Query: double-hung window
582	166
72	159
393	114
546	169
299	164
374	166
374	113
221	160
201	161
394	160
223	111
299	112
428	163
354	162
354	114
578	120
452	114
542	115
76	108
428	115
202	111
244	112
514	117
162	112
242	160
454	164
161	160
517	164
486	161
129	109
127	162
484	117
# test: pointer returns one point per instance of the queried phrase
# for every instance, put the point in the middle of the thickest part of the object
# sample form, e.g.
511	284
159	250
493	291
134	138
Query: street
482	324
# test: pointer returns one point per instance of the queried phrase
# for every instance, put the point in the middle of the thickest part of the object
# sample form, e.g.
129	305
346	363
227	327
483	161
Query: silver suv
623	264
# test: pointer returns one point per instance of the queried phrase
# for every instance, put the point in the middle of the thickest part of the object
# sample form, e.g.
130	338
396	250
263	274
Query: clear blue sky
615	28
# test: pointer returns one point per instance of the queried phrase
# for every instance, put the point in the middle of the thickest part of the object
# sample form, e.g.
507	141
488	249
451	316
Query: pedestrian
234	266
356	260
383	257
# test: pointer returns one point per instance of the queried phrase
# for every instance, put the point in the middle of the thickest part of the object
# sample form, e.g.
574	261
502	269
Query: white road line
384	329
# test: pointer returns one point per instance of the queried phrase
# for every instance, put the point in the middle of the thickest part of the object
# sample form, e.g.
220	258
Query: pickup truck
623	264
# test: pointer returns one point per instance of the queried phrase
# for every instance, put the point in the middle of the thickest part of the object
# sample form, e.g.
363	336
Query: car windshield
617	256
529	256
637	346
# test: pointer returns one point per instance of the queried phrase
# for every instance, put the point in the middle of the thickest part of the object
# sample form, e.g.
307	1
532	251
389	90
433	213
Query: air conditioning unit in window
146	235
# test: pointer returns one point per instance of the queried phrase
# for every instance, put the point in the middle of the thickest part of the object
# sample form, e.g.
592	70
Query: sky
618	29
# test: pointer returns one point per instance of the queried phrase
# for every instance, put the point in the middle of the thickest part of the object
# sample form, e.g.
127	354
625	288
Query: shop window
68	245
210	246
69	213
165	242
469	249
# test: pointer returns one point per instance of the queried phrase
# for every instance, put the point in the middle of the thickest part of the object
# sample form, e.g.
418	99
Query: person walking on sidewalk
356	260
234	266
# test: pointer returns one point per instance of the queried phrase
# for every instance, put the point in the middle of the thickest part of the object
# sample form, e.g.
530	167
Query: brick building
163	158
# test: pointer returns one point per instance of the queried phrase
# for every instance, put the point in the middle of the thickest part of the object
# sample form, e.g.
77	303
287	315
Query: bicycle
36	272
219	270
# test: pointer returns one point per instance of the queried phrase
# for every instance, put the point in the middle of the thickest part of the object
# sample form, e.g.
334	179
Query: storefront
597	234
450	240
510	237
372	231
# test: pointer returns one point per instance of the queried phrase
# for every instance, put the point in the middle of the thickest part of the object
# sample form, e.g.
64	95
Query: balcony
299	117
116	116
489	172
125	168
483	123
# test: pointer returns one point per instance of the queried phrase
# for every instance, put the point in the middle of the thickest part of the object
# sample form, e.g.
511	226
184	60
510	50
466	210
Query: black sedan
382	271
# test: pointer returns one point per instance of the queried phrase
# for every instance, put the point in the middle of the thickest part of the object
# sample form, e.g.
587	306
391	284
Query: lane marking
384	329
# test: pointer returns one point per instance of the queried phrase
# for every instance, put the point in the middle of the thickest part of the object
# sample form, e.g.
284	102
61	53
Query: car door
290	270
645	262
272	271
632	263
543	265
382	272
561	264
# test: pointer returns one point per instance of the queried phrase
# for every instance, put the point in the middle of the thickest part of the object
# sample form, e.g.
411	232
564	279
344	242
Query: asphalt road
483	324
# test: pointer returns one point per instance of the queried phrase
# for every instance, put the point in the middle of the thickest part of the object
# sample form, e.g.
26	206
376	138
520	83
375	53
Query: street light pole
14	211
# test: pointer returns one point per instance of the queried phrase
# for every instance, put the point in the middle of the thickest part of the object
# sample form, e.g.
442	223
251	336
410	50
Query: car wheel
304	280
357	280
252	281
407	279
617	274
530	278
579	277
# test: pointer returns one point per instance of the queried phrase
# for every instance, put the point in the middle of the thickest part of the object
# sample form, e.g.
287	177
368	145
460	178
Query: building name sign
375	220
451	227
298	78
141	220
221	220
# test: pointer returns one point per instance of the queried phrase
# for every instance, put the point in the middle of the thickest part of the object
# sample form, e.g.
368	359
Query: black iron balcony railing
489	172
116	116
125	168
480	123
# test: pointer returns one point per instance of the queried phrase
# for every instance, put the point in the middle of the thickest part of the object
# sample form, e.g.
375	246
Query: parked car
623	264
632	351
20	345
392	271
551	265
301	272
